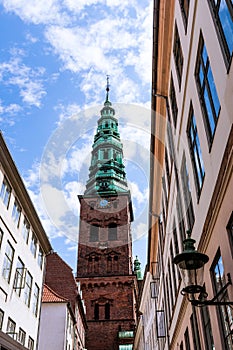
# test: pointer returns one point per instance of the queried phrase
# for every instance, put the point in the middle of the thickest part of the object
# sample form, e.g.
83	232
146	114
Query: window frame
187	194
1	318
230	232
33	245
19	276
6	186
28	289
35	300
112	232
94	233
21	336
195	151
25	230
203	67
16	212
214	10
178	55
173	101
185	12
8	262
10	328
223	311
30	343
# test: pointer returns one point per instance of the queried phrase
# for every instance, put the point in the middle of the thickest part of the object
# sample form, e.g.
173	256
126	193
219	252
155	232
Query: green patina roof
107	172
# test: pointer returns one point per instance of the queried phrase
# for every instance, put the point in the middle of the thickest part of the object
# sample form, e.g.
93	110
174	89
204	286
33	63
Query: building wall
53	330
205	209
24	312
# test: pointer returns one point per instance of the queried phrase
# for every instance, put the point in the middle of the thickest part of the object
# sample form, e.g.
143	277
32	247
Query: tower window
107	311
112	232
94	233
105	154
96	311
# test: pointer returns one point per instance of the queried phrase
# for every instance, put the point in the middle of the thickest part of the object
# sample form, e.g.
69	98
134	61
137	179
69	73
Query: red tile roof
49	296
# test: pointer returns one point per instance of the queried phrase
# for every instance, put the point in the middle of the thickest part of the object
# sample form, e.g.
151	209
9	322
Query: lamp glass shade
191	265
193	280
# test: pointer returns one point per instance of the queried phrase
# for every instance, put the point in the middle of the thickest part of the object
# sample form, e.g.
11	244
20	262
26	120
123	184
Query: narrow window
5	192
107	311
207	91
168	300
96	311
222	13
30	343
184	6
35	301
187	195
186	339
225	311
174	107
195	151
8	261
19	277
16	212
105	154
230	232
21	336
25	230
178	55
10	330
1	318
33	245
195	331
181	346
206	327
40	258
1	237
173	271
28	289
94	233
112	232
171	290
180	216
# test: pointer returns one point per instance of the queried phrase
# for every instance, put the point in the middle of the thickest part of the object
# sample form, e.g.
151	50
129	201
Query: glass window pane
213	92
211	121
227	24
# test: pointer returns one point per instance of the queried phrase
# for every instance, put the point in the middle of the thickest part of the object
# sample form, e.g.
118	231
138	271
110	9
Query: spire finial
107	88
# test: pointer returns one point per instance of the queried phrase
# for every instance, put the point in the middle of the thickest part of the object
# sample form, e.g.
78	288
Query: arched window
112	232
107	311
96	311
94	233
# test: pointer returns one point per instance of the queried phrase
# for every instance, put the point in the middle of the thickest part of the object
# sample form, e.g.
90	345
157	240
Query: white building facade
23	247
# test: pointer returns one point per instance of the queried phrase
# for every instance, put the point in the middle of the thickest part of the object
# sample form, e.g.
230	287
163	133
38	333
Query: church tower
104	268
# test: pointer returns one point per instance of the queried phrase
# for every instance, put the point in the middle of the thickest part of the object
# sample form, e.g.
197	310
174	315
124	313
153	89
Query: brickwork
104	270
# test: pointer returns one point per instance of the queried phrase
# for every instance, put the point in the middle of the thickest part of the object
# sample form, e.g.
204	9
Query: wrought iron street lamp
191	265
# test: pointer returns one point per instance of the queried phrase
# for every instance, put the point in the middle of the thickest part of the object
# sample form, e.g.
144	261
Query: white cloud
37	12
26	79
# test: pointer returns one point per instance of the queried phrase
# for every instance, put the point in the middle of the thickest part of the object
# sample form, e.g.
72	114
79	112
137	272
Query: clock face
103	203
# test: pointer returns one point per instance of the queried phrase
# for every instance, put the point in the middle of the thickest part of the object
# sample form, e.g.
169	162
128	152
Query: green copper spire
137	268
107	172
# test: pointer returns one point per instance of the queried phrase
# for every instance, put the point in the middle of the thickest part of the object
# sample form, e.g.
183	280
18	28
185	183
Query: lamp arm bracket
214	300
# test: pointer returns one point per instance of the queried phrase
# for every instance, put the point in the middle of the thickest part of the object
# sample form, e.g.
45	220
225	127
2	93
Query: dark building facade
104	269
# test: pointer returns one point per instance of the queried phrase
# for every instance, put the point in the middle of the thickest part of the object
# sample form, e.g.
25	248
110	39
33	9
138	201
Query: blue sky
54	58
